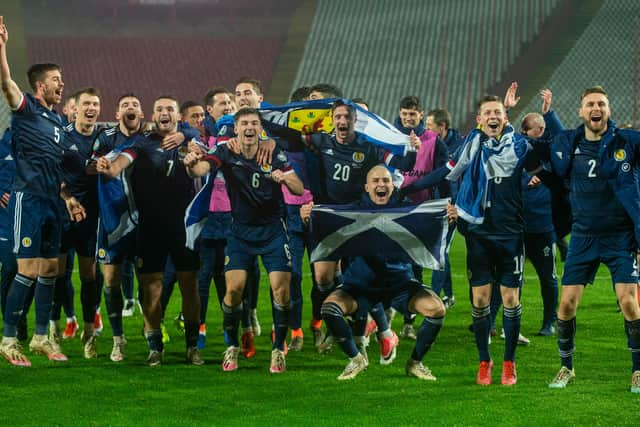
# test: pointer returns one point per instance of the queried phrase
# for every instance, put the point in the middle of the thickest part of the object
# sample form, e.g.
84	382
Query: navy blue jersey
7	164
78	151
107	140
161	187
596	211
344	167
537	207
37	150
255	198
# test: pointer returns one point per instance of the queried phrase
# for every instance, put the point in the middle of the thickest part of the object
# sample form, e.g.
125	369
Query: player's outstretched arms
113	167
11	91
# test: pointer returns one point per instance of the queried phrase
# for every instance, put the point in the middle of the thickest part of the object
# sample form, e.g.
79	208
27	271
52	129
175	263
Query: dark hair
257	86
88	90
440	117
127	95
411	102
360	101
188	104
246	111
339	103
171	97
593	89
208	98
488	98
328	90
37	72
300	94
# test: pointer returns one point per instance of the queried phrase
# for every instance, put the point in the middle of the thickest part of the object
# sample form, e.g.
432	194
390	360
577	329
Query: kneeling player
373	279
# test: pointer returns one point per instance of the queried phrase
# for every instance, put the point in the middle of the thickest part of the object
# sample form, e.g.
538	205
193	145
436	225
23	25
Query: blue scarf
482	159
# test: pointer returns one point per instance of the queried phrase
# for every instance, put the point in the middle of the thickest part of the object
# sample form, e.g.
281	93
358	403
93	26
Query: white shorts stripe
17	216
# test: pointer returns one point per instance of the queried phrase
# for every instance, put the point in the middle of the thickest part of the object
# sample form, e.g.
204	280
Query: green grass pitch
100	392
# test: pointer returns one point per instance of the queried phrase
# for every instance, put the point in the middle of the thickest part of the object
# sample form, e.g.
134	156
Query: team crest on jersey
263	136
358	157
625	167
266	168
96	145
26	242
101	253
620	155
223	130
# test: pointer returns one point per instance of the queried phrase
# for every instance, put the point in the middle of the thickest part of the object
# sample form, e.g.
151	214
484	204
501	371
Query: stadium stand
605	55
385	50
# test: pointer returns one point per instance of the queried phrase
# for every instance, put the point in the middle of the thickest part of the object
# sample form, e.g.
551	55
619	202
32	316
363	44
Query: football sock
230	322
154	339
426	335
281	323
115	302
566	346
511	322
191	330
43	299
16	296
88	298
481	330
632	328
333	316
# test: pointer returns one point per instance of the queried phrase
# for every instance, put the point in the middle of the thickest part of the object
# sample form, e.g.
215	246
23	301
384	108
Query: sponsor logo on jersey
222	131
26	242
328	152
226	260
620	155
9	157
282	157
74	147
358	157
266	168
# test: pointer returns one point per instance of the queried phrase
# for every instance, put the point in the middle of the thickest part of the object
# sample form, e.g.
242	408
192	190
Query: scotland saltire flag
197	212
315	116
118	212
416	233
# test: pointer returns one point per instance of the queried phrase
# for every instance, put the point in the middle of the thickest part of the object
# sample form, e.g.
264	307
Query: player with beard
600	161
257	229
162	191
37	134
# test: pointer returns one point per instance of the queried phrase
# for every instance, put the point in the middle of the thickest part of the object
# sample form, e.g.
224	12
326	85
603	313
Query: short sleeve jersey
255	198
37	136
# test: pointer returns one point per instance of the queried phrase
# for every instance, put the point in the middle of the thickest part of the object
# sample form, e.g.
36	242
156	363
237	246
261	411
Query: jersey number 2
592	169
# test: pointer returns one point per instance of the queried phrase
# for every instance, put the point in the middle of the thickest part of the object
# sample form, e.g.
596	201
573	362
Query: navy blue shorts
37	225
498	259
585	254
397	296
124	250
271	244
156	242
82	236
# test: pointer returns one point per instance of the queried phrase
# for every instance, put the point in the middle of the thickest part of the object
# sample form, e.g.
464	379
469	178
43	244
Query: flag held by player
416	233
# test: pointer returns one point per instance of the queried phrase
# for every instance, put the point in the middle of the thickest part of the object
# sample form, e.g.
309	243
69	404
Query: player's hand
4	34
91	168
510	98
534	182
305	212
171	141
265	152
4	200
452	213
277	176
192	158
546	96
414	141
194	147
234	145
103	165
76	210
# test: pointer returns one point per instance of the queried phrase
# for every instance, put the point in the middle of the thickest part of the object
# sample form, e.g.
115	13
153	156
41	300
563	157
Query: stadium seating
606	54
384	50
